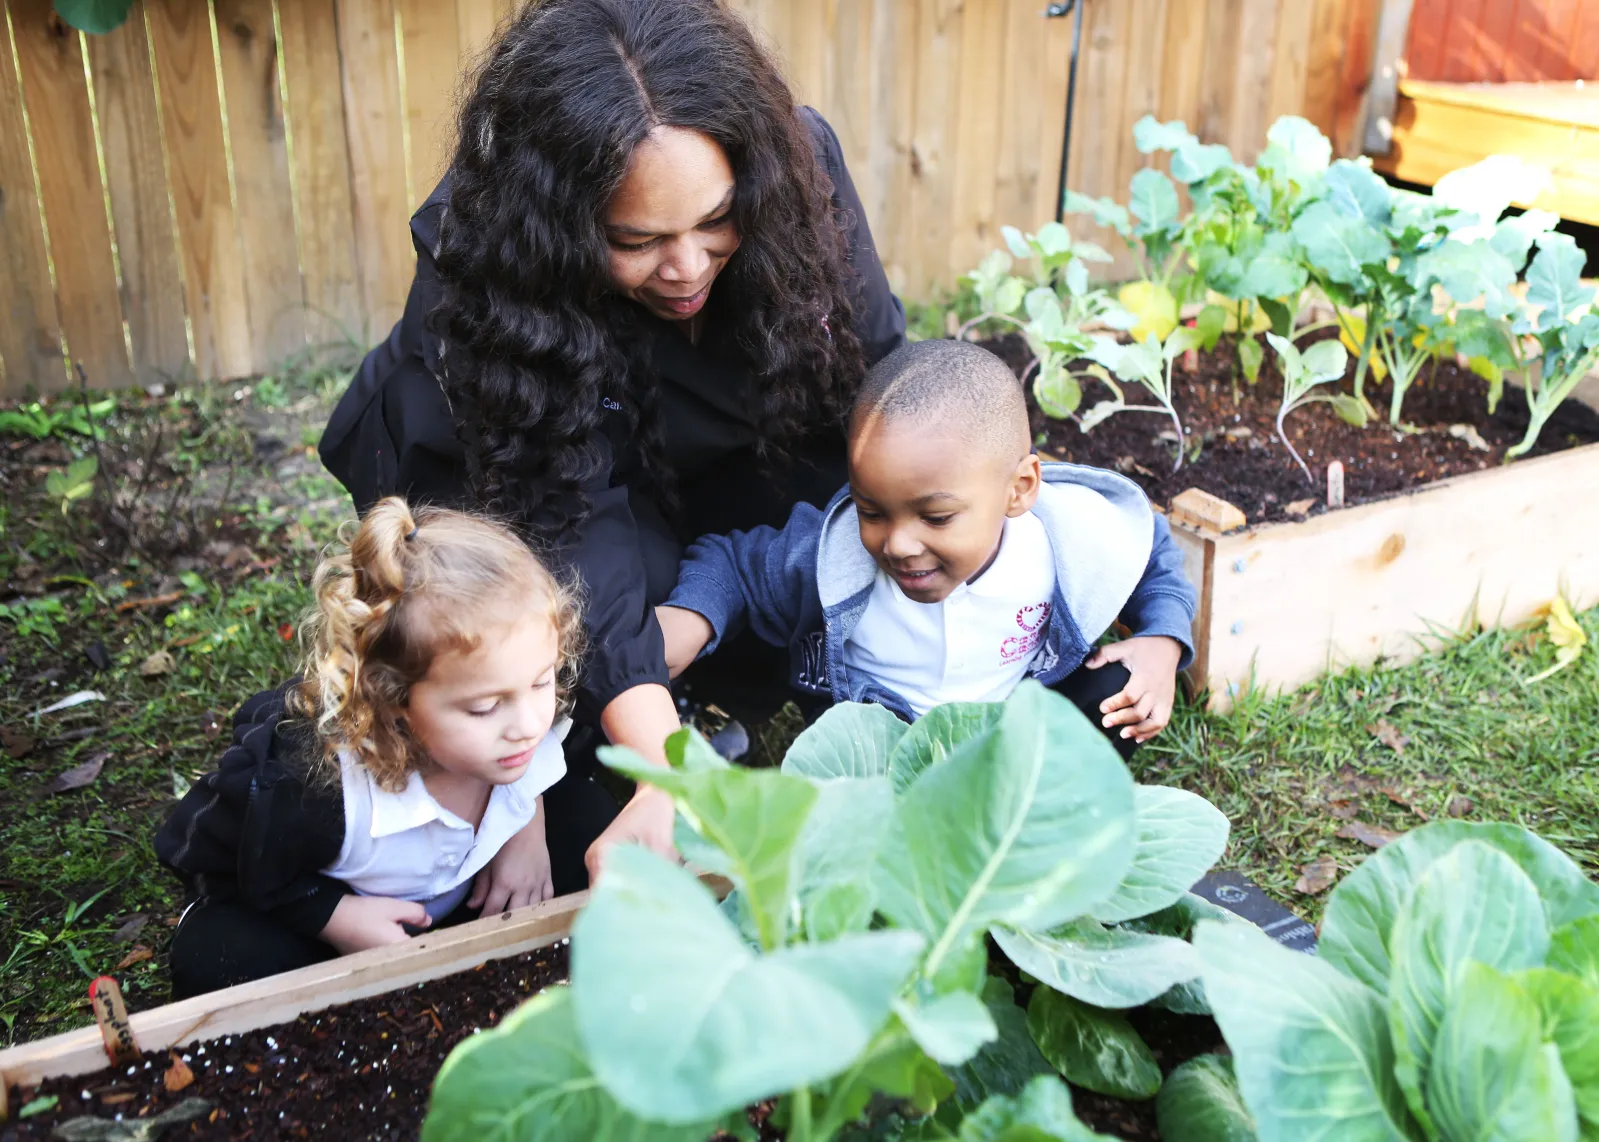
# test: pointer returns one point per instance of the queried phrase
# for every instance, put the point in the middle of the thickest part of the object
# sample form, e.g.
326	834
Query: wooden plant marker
112	1016
1335	484
1200	509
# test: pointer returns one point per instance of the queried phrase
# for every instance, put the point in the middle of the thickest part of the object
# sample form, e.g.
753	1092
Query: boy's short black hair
953	383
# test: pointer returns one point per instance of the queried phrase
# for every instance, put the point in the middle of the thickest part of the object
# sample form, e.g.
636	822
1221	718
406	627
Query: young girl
397	783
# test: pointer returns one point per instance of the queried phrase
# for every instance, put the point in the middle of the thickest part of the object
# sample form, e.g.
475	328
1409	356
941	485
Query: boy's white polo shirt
974	646
407	846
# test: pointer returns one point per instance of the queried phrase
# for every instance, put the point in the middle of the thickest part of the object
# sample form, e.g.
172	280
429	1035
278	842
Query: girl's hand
1144	705
361	922
685	633
519	874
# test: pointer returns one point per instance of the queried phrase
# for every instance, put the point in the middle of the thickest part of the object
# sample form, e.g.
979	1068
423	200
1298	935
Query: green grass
1522	753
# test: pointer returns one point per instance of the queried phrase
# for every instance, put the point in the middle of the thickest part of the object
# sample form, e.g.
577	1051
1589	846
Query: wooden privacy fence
219	183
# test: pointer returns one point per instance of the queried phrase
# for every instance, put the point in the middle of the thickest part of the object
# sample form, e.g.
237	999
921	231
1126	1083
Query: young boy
955	564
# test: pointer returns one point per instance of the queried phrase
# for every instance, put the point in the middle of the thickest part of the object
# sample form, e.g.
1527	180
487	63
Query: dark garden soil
361	1071
1242	460
365	1070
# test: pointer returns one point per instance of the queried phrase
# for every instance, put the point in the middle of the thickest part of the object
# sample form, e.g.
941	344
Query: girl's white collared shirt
409	847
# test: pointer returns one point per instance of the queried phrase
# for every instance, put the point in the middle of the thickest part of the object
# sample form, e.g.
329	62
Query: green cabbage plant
846	972
1454	997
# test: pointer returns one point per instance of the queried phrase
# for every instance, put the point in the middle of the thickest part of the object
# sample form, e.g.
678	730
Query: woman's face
670	225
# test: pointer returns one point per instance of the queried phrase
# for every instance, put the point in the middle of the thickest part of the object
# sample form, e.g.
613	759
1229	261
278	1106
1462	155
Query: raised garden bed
350	1048
1437	534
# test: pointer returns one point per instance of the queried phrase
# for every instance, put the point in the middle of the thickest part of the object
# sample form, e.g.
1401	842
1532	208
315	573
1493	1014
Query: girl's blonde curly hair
406	588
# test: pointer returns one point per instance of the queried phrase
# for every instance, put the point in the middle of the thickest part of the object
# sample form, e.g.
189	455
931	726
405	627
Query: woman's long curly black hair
534	336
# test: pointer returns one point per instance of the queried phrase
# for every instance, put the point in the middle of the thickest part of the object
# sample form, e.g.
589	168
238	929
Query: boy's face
932	508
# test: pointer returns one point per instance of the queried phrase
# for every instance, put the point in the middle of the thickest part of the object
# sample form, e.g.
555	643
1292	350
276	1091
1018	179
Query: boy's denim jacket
807	585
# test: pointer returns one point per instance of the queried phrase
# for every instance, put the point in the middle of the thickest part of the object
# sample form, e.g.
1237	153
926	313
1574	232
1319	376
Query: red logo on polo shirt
1032	620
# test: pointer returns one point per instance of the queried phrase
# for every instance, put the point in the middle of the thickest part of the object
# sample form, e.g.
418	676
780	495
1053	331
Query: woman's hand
362	922
686	633
517	875
641	719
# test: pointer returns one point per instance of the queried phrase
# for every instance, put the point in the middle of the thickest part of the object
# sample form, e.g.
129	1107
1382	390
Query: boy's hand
361	922
1144	705
517	875
686	634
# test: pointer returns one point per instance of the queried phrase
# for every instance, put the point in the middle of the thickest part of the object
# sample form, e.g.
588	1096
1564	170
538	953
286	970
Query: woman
644	293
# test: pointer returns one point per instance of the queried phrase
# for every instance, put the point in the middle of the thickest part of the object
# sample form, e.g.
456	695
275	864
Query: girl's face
481	714
670	223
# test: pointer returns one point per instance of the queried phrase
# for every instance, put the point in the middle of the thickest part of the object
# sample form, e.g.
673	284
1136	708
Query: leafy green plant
848	965
1566	330
38	420
1455	995
74	482
1052	315
1147	363
1323	362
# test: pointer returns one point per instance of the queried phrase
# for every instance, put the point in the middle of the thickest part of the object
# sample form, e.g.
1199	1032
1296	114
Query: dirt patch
361	1071
1241	459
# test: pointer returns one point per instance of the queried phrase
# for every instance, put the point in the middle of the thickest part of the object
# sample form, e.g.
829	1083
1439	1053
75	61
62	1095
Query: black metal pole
1056	10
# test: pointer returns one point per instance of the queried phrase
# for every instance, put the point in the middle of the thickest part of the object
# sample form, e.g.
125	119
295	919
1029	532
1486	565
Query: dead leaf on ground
237	556
137	956
79	775
178	1076
131	927
16	745
161	662
1403	801
1384	731
1342	809
1471	436
286	632
1299	507
117	1097
1318	876
1374	836
1460	806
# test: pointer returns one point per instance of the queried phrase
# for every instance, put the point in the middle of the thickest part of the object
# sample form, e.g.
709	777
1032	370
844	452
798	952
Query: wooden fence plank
1032	117
1291	63
1424	46
930	203
197	172
1324	65
372	115
476	23
1360	34
1098	124
1146	46
30	332
256	130
1254	65
147	247
892	156
433	65
57	98
324	212
980	113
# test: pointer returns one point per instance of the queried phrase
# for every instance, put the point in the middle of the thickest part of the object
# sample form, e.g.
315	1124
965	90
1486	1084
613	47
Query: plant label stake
1335	484
112	1016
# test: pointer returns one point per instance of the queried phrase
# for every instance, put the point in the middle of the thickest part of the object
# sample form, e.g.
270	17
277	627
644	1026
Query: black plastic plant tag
1243	897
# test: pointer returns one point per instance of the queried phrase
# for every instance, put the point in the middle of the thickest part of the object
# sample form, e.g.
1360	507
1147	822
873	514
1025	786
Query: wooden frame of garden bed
1282	602
280	998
